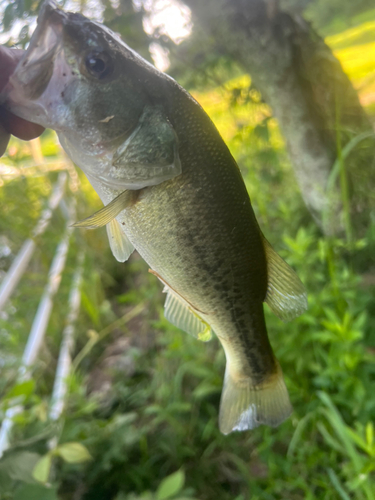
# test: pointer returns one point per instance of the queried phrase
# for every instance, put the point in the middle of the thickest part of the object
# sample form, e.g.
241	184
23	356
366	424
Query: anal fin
118	241
286	295
182	314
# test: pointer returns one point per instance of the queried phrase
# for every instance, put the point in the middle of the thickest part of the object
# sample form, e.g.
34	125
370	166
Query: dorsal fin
182	314
118	241
286	295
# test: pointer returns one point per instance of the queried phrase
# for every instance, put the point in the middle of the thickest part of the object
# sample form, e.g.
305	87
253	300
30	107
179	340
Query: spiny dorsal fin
118	241
286	295
109	212
181	314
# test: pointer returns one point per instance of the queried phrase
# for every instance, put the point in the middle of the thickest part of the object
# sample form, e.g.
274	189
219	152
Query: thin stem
343	179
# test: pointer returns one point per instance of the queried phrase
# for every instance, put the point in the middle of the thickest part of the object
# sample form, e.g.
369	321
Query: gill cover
149	156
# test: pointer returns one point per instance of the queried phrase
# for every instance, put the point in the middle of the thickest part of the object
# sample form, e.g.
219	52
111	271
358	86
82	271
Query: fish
171	190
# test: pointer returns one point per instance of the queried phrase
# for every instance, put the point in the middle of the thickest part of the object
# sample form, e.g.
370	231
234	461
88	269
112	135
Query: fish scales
172	190
213	269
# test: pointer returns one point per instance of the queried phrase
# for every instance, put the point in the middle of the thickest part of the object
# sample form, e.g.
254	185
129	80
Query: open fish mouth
28	93
35	69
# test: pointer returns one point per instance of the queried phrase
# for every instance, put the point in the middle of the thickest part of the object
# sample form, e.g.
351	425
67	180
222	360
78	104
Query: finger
18	126
12	124
4	139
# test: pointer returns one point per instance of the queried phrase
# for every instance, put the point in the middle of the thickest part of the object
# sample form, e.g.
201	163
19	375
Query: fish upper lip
44	45
50	12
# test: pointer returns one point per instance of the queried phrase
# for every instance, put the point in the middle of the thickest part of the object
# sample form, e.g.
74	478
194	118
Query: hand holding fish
10	123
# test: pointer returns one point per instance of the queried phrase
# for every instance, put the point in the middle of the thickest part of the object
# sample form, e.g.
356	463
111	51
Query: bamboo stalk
23	257
38	330
64	361
45	305
6	427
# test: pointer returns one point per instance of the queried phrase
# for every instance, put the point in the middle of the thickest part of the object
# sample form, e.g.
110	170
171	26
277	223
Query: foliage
336	13
140	421
332	16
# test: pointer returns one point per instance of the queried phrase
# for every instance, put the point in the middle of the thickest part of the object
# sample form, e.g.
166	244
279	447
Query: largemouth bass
172	190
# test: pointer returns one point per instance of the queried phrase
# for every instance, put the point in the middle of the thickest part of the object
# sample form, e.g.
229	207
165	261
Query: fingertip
19	127
25	130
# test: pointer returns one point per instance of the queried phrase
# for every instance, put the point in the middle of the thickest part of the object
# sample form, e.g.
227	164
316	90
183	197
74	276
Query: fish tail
245	405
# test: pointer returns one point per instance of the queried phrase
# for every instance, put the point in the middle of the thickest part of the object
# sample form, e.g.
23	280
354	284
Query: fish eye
99	64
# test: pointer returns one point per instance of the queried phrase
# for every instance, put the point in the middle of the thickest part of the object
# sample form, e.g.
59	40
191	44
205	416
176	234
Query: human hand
9	123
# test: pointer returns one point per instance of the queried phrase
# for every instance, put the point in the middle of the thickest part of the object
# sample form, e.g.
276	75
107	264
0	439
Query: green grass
340	25
355	49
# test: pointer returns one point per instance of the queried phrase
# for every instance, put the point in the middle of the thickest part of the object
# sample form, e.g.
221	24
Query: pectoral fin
150	155
118	241
181	314
109	212
286	295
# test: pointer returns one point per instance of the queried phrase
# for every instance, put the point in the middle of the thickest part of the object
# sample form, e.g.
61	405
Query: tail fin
246	406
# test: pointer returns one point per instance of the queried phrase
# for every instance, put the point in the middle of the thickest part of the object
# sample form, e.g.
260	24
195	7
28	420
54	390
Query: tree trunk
316	106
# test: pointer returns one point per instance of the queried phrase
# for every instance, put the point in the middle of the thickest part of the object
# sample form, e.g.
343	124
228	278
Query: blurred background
290	85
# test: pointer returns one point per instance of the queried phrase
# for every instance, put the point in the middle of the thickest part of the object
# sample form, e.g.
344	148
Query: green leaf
21	389
186	498
90	308
171	485
337	485
340	429
359	441
42	469
19	466
73	453
335	170
261	131
5	482
369	434
297	436
35	492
